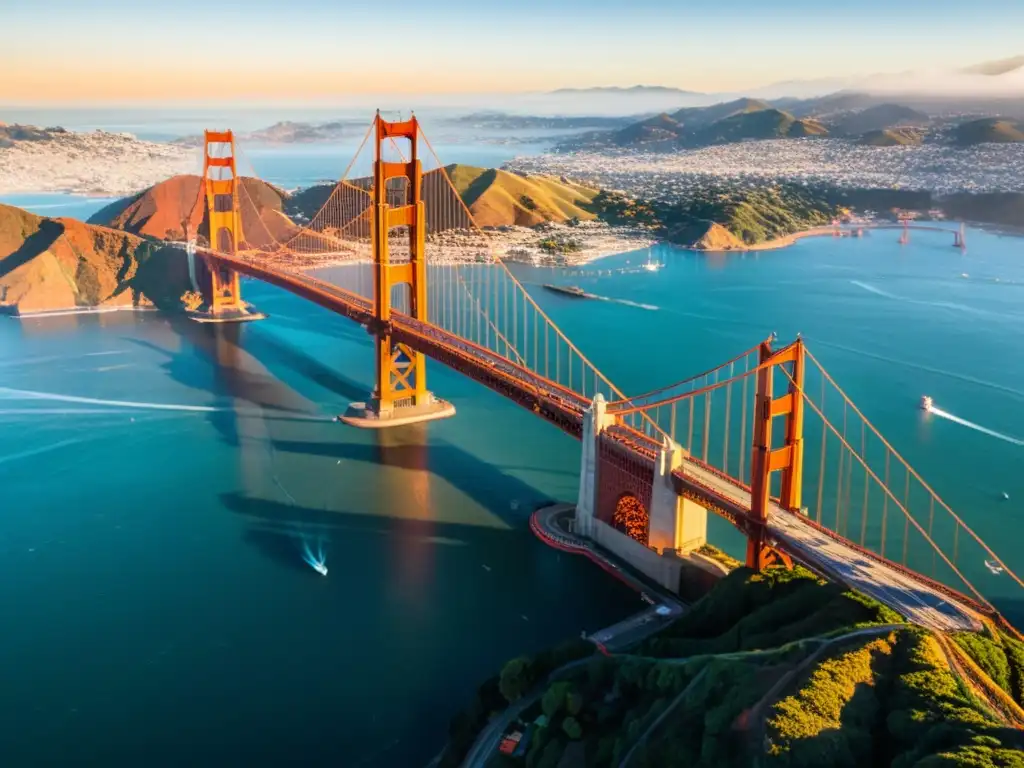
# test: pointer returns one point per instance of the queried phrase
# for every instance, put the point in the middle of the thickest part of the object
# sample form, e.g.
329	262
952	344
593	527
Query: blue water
159	610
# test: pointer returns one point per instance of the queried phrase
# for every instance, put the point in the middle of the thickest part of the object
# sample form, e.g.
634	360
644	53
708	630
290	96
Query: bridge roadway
914	597
917	600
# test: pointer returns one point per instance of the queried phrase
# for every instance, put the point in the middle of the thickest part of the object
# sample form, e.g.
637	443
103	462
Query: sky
192	51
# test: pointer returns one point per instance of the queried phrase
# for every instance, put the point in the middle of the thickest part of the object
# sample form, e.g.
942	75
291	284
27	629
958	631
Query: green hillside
758	124
779	668
738	120
499	198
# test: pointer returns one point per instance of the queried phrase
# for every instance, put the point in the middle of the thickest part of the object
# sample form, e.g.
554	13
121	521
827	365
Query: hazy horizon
114	53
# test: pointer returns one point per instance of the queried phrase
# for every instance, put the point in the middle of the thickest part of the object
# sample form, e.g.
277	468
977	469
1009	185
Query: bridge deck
916	598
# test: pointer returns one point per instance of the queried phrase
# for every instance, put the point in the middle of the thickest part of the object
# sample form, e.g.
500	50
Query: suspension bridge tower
905	234
787	458
960	238
220	285
400	395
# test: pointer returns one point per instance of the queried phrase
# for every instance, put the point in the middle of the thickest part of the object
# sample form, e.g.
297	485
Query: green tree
555	698
517	677
572	728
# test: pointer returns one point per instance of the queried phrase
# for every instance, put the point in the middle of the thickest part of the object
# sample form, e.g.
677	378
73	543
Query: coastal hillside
499	198
168	211
989	130
723	218
495	198
779	668
53	264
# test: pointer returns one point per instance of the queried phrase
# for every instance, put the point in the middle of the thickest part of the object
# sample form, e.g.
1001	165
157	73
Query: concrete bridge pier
676	526
676	523
596	420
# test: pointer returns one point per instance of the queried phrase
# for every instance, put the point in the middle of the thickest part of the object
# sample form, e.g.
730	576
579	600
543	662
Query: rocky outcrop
54	264
717	238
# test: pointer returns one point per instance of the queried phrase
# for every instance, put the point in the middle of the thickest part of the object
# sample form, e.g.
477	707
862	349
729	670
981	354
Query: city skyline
113	51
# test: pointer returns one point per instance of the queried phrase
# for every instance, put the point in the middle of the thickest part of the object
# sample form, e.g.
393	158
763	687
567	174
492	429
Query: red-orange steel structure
401	371
220	185
764	460
641	427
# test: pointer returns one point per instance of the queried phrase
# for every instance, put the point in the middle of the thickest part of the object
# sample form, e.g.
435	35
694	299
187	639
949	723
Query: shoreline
778	243
13	312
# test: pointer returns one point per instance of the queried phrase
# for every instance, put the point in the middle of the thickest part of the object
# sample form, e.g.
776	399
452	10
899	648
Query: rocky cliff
53	264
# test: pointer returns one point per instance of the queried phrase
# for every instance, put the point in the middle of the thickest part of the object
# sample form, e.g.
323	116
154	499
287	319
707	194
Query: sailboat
650	265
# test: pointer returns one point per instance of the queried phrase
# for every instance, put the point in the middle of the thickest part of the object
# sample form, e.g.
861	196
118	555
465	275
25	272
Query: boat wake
42	449
317	562
971	425
27	394
877	291
628	303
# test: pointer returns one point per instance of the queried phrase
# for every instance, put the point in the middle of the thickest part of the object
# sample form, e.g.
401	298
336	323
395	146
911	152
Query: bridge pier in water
400	395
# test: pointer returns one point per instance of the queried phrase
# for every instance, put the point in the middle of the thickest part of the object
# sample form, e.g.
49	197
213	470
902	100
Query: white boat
993	566
926	403
320	568
651	266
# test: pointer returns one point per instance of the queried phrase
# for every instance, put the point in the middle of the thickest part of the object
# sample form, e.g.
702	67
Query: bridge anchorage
400	395
219	284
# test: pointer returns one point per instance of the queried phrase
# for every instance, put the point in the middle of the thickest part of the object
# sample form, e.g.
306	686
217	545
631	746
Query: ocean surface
161	478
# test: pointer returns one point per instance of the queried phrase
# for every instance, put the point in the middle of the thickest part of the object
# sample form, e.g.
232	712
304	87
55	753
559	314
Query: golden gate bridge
767	440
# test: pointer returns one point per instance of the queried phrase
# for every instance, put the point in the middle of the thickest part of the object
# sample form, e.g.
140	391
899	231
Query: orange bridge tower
788	458
400	394
218	189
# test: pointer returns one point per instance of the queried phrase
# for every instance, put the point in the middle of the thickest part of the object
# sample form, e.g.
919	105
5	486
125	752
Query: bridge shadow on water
266	347
486	484
274	525
276	529
214	359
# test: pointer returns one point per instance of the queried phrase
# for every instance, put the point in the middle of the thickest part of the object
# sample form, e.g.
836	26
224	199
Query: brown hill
989	130
659	128
168	211
695	117
51	264
892	137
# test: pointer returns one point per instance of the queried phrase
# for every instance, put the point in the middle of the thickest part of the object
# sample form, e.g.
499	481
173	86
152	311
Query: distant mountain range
719	124
978	87
635	90
845	115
